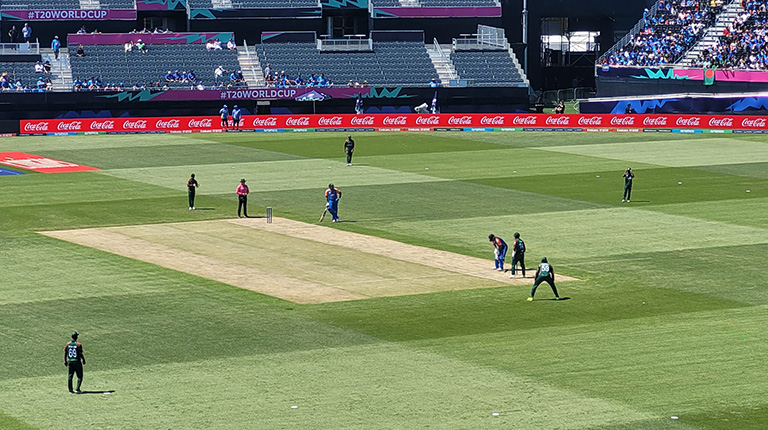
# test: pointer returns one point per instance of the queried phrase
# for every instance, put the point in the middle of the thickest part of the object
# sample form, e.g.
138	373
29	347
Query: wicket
269	215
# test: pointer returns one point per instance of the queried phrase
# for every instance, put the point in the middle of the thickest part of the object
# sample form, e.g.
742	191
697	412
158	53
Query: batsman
332	197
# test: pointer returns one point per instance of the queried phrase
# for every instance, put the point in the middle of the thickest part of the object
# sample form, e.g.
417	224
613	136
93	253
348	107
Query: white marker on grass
674	417
679	183
495	414
294	407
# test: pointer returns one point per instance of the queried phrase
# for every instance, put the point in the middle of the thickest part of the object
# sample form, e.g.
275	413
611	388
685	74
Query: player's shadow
554	299
97	392
205	209
641	201
346	220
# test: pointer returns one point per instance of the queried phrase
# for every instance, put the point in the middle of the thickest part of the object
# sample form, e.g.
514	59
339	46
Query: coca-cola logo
753	122
590	120
362	120
70	126
39	126
269	121
171	123
492	120
302	121
693	121
427	120
200	123
333	120
103	125
524	120
623	120
394	120
721	122
557	120
655	121
139	124
460	120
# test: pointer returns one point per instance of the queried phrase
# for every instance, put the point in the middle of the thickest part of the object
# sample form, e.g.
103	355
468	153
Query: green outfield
666	319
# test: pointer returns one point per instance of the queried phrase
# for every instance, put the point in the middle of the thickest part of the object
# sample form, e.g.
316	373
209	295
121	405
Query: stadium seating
265	4
117	4
41	4
486	68
743	44
666	34
384	66
113	65
439	3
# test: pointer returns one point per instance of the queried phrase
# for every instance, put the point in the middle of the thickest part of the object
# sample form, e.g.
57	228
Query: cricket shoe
622	200
530	299
511	276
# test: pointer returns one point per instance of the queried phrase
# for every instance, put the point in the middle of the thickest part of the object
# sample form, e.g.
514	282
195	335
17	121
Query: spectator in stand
128	46
26	32
191	76
95	31
133	31
13	35
55	46
77	84
628	110
219	73
433	83
268	70
47	66
560	107
141	46
231	45
81	30
39	67
80	51
5	81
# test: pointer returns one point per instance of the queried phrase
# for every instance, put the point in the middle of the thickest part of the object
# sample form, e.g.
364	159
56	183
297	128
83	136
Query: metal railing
256	58
632	33
446	58
19	48
487	38
349	43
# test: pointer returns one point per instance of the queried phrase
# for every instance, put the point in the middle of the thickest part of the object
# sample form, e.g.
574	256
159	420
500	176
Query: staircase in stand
61	71
443	63
250	66
712	34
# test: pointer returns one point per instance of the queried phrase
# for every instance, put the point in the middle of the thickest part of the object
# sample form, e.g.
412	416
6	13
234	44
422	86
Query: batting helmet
491	237
517	235
330	186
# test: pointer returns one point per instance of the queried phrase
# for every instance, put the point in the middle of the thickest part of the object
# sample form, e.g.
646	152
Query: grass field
667	318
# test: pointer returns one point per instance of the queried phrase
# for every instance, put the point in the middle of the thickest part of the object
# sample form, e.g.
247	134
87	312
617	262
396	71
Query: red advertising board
398	122
40	164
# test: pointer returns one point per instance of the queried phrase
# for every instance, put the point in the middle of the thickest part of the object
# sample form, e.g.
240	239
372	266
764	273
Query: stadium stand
40	4
266	4
117	4
383	66
744	43
486	68
24	72
458	3
665	33
112	64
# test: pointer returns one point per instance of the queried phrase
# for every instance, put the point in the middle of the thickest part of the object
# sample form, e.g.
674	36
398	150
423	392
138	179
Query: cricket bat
322	217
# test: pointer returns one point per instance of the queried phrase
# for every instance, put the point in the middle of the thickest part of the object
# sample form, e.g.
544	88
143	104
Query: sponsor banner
68	15
400	122
161	4
149	38
436	12
40	164
5	172
669	73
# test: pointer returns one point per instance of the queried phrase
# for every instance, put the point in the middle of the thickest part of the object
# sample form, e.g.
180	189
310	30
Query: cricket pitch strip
295	261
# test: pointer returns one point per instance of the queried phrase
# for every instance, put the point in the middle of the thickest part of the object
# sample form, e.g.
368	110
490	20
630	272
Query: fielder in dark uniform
349	148
545	273
518	255
74	360
628	176
191	185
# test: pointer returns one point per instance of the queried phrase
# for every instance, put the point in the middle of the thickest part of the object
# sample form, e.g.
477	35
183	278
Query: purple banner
68	15
259	94
436	12
161	4
156	38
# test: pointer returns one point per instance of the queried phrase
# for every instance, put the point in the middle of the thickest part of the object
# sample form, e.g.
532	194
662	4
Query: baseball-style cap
75	335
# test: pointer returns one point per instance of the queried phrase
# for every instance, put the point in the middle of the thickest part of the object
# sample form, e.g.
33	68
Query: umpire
74	360
518	255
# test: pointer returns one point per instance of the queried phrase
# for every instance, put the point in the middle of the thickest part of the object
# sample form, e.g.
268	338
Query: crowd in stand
667	33
282	79
744	43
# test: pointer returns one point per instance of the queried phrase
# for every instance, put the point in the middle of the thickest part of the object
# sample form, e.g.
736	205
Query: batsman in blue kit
332	196
499	251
